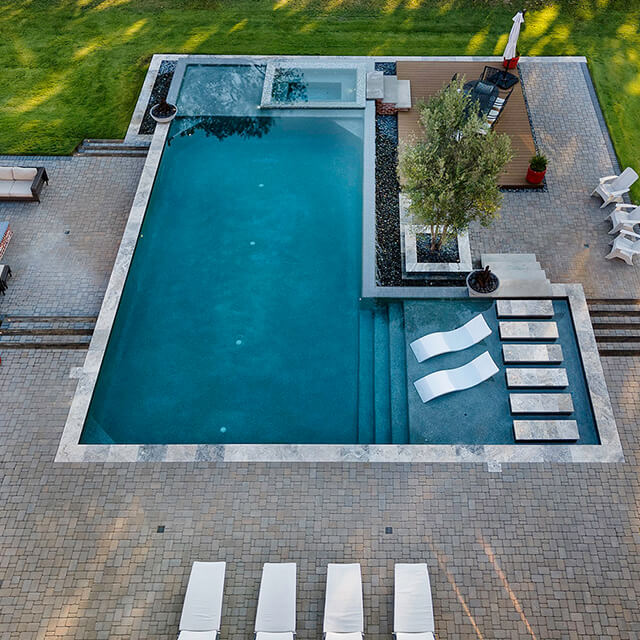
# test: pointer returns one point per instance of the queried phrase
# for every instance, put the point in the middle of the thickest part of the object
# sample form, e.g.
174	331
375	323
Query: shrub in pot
537	169
483	281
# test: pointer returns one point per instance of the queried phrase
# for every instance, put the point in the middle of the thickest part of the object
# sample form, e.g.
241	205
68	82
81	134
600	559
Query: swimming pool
239	321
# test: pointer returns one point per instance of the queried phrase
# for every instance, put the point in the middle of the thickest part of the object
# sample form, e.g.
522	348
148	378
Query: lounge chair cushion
24	174
276	611
268	635
198	635
415	636
343	610
203	600
6	173
333	635
21	189
412	606
5	187
484	88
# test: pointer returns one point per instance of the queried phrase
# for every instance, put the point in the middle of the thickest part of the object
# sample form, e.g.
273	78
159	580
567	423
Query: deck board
427	78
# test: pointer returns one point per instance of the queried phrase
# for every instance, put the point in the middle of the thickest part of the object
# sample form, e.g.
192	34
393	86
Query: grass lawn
72	69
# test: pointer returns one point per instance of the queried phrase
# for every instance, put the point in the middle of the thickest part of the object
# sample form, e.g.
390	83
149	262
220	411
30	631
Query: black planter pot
474	286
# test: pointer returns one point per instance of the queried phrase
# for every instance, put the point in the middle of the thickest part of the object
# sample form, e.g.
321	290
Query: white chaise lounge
343	610
276	615
450	380
412	604
202	607
612	188
458	339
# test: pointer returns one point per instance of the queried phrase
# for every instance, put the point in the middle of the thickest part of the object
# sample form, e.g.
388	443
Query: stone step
617	336
541	403
626	324
619	350
533	330
601	310
531	353
52	331
539	377
514	287
545	430
508	258
524	308
112	154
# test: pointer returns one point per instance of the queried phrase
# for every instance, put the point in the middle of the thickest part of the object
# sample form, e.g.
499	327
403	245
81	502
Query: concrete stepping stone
531	353
524	308
528	330
545	430
547	377
541	403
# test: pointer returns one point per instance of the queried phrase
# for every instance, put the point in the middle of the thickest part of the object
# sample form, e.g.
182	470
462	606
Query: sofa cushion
5	187
21	189
6	173
24	174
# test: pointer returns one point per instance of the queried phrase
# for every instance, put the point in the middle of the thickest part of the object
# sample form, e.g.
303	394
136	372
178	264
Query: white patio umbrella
512	43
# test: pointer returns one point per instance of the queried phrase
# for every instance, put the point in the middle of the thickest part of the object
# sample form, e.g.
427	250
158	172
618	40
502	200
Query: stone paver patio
540	551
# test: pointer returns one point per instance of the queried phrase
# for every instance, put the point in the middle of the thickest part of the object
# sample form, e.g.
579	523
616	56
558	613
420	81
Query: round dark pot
535	177
473	284
511	64
162	117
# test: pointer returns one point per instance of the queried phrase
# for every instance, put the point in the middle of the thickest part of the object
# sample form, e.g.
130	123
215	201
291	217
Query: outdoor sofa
21	184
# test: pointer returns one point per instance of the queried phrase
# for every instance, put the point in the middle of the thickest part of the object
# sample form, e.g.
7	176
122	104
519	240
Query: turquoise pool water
239	320
481	415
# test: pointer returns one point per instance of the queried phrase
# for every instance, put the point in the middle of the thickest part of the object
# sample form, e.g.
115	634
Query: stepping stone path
545	430
541	403
524	308
541	377
528	330
531	353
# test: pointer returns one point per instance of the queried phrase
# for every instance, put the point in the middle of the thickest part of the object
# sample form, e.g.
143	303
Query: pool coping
69	449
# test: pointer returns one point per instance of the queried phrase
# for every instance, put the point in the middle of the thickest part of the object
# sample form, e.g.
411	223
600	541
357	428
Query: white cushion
277	600
415	636
21	189
343	610
203	601
198	635
353	635
5	187
413	608
268	635
24	174
6	173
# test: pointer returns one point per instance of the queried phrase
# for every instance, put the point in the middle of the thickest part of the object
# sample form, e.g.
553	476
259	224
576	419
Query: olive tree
450	174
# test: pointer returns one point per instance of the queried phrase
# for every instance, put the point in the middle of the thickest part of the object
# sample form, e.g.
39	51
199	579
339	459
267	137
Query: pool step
381	387
110	148
616	325
524	308
541	403
46	332
534	330
398	374
532	353
527	430
365	378
538	377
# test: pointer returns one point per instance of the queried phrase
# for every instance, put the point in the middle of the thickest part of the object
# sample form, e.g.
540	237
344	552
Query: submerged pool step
382	390
365	378
398	374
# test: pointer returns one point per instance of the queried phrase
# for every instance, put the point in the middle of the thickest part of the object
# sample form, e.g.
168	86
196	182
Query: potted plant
512	63
163	112
537	169
482	281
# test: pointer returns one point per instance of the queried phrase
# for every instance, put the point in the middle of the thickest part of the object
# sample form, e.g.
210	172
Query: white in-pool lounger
343	610
412	604
458	339
276	615
449	380
202	607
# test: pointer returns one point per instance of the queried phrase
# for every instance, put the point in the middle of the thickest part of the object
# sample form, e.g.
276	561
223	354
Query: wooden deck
428	78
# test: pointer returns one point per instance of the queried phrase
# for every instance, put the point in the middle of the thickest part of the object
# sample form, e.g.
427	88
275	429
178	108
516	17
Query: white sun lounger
449	380
458	339
202	607
343	610
412	604
276	615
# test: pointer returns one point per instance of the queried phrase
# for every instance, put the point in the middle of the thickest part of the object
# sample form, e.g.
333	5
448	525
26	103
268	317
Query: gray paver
524	308
541	402
536	377
534	330
546	429
531	353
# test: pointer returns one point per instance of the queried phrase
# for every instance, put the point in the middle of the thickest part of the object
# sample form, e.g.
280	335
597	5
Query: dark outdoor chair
501	104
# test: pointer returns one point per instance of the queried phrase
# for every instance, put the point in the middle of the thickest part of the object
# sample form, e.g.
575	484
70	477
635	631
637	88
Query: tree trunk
435	245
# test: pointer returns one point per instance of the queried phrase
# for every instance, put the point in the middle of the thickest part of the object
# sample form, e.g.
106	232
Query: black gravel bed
447	253
388	68
160	90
